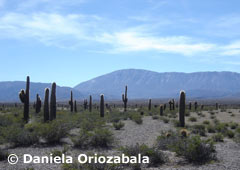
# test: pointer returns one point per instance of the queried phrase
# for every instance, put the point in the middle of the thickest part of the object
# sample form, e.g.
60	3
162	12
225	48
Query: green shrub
20	136
118	125
206	122
156	157
137	118
82	140
217	137
101	138
230	134
164	119
192	119
54	131
233	125
154	117
211	129
199	129
195	150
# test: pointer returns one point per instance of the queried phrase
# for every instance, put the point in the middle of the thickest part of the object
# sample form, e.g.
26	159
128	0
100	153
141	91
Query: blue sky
70	41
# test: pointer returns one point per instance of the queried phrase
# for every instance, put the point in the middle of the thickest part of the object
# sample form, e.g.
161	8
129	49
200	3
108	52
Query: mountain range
141	84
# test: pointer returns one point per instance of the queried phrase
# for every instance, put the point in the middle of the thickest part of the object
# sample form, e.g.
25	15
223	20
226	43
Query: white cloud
132	41
76	30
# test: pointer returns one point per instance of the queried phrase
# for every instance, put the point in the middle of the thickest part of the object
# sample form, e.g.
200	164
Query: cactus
90	103
170	105
46	106
182	108
53	107
71	102
75	106
125	99
24	97
164	107
85	104
195	105
149	104
202	106
173	104
38	104
102	106
161	110
190	106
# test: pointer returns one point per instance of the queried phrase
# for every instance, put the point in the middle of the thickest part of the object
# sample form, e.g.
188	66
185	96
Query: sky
71	41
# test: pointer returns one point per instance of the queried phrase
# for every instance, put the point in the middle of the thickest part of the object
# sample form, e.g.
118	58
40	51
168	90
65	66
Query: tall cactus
46	105
85	104
182	108
173	104
149	104
190	106
195	105
90	103
24	97
53	107
38	104
71	102
102	106
170	105
125	99
75	106
161	110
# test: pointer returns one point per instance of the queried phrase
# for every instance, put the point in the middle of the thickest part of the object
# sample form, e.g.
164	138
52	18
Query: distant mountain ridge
142	84
9	91
149	84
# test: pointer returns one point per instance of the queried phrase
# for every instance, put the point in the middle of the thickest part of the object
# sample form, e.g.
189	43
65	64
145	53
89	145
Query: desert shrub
118	125
165	120
166	140
221	128
82	140
136	118
211	129
156	157
101	138
195	150
54	131
90	122
238	130
232	115
199	129
212	113
230	134
233	125
187	114
176	123
192	119
212	117
154	117
217	137
98	138
3	155
206	122
20	136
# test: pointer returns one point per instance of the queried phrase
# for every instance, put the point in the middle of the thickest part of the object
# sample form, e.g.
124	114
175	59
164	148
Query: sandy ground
228	153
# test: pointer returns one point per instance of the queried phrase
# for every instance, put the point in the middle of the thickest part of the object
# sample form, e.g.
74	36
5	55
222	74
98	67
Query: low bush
98	138
156	157
199	129
118	125
192	119
217	137
136	118
54	131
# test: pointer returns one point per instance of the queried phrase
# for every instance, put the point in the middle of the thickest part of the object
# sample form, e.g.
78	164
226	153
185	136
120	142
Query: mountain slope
148	84
9	91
